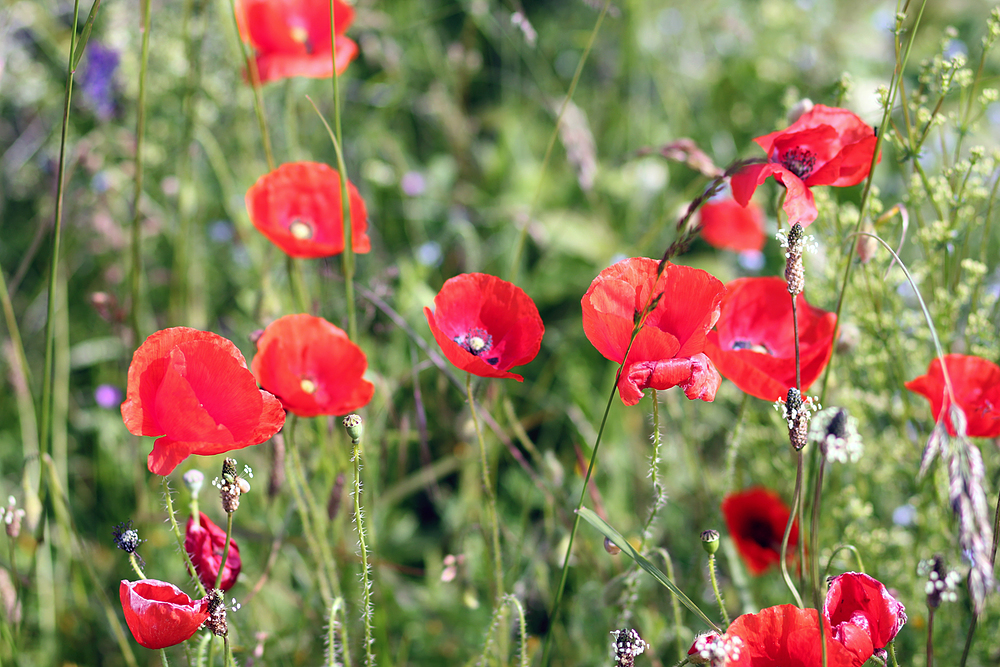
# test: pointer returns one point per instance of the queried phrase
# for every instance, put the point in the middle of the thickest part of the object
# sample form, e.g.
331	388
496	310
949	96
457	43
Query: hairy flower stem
179	538
715	589
225	551
796	501
134	562
491	499
733	446
522	235
894	86
347	258
366	583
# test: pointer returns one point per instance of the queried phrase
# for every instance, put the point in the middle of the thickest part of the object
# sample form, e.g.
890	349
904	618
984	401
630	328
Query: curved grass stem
491	499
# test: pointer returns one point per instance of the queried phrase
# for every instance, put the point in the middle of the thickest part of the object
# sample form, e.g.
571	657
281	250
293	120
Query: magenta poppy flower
292	37
159	614
825	146
312	367
976	383
727	225
864	615
485	325
668	350
756	519
753	344
205	544
193	388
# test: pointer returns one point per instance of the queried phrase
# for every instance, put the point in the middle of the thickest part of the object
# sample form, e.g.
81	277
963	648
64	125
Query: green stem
347	260
814	556
733	448
491	499
715	589
225	551
930	637
675	604
134	562
258	98
179	538
163	658
365	566
135	278
796	501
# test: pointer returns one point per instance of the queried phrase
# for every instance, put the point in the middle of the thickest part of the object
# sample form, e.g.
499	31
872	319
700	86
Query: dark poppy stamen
477	342
799	161
750	345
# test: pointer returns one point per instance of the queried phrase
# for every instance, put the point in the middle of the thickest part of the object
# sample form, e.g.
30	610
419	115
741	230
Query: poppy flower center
308	386
762	533
478	342
750	345
799	161
300	229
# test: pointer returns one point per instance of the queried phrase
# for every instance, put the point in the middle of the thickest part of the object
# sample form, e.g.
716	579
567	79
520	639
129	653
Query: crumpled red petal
159	614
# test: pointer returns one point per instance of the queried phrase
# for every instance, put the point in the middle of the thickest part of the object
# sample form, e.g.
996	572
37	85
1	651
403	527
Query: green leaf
85	36
600	524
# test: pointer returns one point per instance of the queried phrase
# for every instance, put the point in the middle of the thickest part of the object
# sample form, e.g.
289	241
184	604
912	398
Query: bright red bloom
976	383
753	344
727	225
668	350
193	388
312	366
787	636
205	543
160	614
485	325
825	146
298	208
756	519
292	37
863	613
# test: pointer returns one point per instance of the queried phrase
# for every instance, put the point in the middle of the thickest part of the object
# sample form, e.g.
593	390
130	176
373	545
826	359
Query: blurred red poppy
193	388
976	383
786	636
753	344
825	146
205	543
292	37
298	208
668	350
863	613
756	519
160	614
312	367
485	325
727	225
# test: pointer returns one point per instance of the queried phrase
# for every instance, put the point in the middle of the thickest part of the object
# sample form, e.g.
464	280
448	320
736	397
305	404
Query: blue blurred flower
97	82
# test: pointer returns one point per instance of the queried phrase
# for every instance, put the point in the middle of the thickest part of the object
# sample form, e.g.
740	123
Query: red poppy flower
205	543
727	225
485	325
753	344
863	613
756	519
786	636
825	146
292	37
298	208
668	350
312	366
976	383
193	388
160	614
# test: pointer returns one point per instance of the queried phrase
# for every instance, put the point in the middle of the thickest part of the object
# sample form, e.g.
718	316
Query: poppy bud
801	108
627	646
355	427
710	541
193	480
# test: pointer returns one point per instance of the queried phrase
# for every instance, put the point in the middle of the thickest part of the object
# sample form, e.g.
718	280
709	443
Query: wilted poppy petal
976	383
666	349
298	208
859	601
205	544
312	367
485	325
159	614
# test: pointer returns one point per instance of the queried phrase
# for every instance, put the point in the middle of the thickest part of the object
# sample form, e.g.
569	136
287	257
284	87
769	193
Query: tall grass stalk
135	277
258	98
491	498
